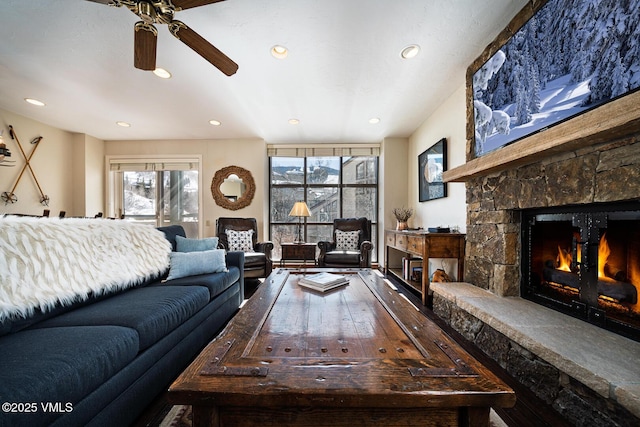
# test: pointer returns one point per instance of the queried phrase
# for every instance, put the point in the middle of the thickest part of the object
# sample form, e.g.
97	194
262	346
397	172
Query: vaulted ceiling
343	67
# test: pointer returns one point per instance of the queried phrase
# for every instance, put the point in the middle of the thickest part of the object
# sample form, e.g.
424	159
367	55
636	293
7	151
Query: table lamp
300	210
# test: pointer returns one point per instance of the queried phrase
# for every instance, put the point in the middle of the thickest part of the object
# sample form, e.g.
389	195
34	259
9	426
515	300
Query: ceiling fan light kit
163	12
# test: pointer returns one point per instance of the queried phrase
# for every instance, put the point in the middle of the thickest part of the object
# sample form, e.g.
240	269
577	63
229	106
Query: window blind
136	165
323	150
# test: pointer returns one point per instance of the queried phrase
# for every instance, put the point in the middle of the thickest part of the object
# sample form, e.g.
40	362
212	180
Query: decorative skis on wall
10	196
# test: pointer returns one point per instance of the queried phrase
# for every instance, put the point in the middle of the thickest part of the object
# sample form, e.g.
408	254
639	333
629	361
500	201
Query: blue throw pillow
184	244
183	264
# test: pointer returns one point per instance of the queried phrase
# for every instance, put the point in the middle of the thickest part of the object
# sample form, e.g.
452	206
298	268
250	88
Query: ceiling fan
162	12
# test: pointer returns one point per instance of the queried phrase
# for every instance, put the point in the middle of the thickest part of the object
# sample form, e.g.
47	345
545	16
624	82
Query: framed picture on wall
431	164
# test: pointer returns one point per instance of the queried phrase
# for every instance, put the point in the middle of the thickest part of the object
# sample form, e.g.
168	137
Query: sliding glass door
165	195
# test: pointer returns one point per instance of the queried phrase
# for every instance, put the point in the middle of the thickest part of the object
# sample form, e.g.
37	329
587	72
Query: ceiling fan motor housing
158	12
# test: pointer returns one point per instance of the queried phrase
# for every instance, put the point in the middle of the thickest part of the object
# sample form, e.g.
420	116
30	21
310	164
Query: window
156	192
332	186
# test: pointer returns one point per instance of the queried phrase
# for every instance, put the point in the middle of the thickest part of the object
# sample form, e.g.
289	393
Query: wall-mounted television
571	56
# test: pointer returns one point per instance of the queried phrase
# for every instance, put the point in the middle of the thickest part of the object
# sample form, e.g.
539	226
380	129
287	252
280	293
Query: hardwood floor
154	413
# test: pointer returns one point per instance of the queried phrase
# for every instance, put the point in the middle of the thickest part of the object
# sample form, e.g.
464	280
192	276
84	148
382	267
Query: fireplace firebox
585	262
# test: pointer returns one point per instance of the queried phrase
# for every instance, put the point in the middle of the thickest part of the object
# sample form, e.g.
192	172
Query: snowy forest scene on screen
570	57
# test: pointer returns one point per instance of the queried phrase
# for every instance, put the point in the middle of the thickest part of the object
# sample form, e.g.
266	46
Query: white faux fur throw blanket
50	261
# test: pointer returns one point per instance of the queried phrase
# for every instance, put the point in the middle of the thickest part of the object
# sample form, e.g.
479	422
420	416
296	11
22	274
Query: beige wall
88	175
393	182
70	169
52	164
399	171
249	154
448	121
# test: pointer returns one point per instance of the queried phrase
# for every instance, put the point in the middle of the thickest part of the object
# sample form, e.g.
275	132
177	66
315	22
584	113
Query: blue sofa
100	362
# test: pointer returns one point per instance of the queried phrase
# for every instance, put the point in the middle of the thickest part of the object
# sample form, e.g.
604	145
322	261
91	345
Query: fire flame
603	254
564	259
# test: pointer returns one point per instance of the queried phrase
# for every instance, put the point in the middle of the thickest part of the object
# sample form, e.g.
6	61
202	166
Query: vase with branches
402	216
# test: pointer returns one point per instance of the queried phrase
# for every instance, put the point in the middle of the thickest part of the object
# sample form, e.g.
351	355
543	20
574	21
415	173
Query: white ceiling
343	68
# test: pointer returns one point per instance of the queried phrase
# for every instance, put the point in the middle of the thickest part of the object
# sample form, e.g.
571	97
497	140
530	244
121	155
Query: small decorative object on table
439	230
402	216
323	281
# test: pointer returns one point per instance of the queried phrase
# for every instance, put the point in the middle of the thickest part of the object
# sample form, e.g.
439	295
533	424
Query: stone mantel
613	120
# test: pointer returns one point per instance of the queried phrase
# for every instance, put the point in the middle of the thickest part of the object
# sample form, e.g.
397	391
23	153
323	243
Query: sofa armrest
365	254
324	248
236	259
265	248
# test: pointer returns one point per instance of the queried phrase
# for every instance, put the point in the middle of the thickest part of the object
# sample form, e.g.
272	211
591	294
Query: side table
298	252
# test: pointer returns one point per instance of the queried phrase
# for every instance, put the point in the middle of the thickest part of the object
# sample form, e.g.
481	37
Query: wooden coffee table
359	355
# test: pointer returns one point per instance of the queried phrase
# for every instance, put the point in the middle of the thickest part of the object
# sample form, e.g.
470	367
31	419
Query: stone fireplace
547	353
606	172
588	374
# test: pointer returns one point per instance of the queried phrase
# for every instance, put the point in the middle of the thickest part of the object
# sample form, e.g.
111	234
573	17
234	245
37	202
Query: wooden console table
424	246
298	252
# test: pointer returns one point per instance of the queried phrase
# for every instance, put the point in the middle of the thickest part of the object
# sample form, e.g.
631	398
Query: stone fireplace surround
589	375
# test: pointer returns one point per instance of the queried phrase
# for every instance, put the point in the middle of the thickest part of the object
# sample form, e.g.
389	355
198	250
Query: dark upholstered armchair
351	245
243	235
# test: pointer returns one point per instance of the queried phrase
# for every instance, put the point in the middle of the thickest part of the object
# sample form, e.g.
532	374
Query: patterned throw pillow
240	240
347	240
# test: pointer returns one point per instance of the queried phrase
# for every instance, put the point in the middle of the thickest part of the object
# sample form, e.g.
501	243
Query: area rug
178	416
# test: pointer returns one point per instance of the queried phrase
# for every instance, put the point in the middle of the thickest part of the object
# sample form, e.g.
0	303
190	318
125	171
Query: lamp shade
300	209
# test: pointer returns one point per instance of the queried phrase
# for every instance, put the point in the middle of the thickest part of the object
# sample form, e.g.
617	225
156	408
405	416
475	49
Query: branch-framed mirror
233	188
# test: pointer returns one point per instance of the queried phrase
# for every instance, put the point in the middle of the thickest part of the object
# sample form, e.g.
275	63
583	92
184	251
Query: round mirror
233	187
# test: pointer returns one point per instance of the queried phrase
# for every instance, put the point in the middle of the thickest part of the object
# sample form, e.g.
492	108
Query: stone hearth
589	375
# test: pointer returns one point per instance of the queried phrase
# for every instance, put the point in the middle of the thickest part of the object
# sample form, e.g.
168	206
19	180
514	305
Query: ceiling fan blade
145	44
107	2
188	4
205	49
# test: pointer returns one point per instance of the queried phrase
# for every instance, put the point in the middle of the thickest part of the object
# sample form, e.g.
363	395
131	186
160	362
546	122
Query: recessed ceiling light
34	102
294	121
124	124
214	122
162	73
410	51
374	120
279	51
